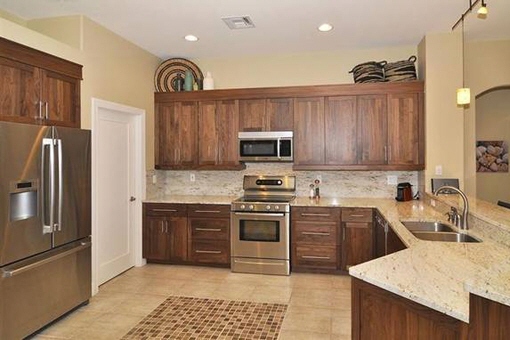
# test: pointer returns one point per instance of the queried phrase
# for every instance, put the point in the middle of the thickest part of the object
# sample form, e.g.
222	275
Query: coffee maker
404	192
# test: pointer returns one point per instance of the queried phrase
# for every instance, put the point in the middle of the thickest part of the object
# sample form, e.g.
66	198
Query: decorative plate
164	78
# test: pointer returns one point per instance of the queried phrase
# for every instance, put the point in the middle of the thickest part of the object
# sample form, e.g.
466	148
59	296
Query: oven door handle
259	214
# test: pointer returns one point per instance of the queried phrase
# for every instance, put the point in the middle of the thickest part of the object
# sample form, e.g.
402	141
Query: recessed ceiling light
191	37
325	27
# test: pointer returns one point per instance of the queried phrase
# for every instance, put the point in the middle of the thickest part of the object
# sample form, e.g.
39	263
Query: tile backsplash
230	183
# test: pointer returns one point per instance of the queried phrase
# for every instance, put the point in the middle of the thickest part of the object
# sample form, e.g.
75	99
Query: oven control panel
261	207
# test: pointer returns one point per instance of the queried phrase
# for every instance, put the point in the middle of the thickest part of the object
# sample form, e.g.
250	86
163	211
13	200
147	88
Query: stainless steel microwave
266	146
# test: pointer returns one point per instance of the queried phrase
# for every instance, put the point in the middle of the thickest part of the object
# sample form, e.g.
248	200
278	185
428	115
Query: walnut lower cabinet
379	314
165	232
357	236
488	320
209	234
314	243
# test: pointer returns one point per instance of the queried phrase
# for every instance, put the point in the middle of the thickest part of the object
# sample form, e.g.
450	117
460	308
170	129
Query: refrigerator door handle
17	271
47	228
58	225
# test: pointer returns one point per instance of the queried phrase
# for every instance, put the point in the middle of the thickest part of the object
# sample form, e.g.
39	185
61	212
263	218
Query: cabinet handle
315	233
166	227
356	215
389	153
208	229
311	257
385	153
208	251
162	227
165	210
208	211
47	114
315	214
343	234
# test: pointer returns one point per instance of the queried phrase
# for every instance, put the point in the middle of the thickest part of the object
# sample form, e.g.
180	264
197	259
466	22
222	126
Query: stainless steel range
260	225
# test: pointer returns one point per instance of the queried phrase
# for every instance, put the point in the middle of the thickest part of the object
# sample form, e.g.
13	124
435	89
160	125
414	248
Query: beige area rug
181	317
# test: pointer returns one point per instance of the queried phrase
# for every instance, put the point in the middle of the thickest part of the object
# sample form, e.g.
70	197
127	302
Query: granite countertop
439	275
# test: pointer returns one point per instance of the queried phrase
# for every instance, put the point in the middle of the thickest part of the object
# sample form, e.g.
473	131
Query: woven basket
369	72
403	70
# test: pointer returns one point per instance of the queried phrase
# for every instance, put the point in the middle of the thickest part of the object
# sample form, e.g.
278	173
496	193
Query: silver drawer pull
315	214
207	229
208	251
311	257
357	215
208	211
165	210
315	233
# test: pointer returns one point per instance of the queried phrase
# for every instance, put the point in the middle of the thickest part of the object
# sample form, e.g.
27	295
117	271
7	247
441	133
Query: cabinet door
372	129
178	233
309	131
357	243
19	92
156	242
404	118
176	128
227	112
61	97
280	114
207	134
252	115
340	119
393	242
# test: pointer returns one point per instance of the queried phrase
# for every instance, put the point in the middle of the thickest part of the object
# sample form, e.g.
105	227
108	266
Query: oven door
260	235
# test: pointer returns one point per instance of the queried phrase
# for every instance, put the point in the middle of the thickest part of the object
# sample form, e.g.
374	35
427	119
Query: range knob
251	207
242	206
268	207
276	207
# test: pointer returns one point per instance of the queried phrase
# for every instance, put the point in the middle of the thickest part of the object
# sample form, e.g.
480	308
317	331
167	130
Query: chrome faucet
465	211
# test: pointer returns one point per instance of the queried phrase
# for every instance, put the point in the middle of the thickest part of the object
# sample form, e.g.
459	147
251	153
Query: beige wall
441	61
487	66
493	124
295	69
12	18
113	68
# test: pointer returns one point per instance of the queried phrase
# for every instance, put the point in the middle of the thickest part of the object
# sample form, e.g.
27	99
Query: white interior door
117	203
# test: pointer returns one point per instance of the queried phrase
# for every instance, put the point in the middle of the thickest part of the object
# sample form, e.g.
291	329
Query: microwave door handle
46	142
60	182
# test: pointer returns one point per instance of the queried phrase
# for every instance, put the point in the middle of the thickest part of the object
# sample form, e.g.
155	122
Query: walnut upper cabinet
273	114
38	88
376	126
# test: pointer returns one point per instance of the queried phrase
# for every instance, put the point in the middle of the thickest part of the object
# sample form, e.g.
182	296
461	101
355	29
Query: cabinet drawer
315	256
209	228
210	252
322	233
356	215
164	209
208	210
315	214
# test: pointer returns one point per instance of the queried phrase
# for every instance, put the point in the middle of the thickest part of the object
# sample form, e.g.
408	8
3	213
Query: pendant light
464	93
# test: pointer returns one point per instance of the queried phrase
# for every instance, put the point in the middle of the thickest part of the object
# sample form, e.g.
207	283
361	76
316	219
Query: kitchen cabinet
209	234
38	88
488	319
379	314
273	114
340	125
308	131
176	135
217	135
372	129
165	236
314	243
357	236
393	242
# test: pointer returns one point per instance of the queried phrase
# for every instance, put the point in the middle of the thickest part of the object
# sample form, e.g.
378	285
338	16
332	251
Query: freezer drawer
38	290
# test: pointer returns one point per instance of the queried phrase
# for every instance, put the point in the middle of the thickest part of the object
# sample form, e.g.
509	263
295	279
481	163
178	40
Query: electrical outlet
439	170
192	177
154	179
392	180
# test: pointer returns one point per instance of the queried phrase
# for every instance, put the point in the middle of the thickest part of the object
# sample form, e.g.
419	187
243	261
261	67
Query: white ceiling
282	26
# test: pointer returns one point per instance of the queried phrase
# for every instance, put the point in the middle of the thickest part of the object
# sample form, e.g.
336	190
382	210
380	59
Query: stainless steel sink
445	236
426	226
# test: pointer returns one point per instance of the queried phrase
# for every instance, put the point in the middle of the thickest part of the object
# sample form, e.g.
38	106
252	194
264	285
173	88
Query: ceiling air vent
235	23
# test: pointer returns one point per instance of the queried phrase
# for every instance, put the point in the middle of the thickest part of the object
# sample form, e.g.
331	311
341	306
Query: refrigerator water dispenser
23	201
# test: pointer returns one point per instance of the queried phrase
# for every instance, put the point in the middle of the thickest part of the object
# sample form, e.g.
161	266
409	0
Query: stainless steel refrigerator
45	225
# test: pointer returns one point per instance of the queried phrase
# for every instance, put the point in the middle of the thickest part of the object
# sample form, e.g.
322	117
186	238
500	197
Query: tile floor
319	305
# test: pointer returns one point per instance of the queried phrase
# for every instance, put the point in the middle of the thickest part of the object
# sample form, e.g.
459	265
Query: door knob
132	198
